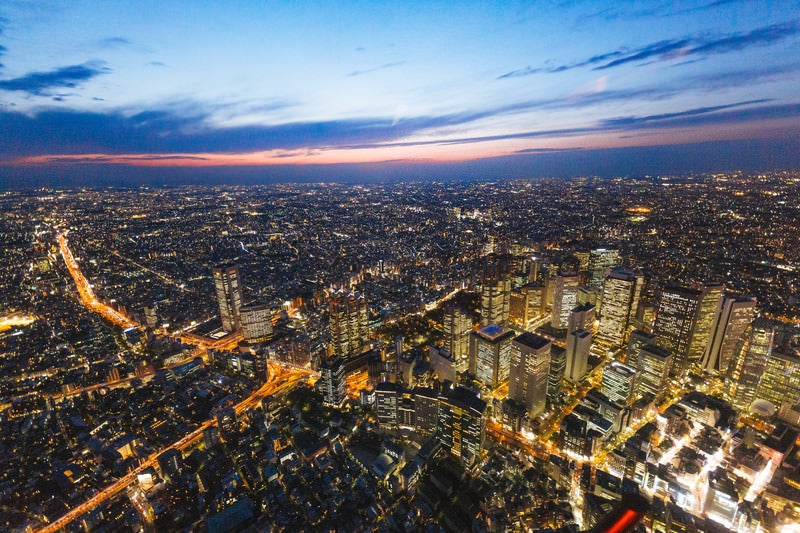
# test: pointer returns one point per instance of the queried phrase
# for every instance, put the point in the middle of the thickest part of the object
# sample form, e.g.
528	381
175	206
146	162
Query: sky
186	91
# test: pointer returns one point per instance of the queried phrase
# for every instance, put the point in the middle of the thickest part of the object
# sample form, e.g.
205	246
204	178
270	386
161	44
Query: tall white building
578	344
619	382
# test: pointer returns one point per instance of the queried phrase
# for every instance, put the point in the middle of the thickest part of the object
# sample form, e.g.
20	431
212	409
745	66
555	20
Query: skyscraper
349	327
229	295
581	317
654	364
490	354
704	321
751	361
462	423
331	381
496	291
565	293
621	290
530	366
457	326
780	382
555	376
619	382
578	344
636	341
256	321
601	260
676	310
731	321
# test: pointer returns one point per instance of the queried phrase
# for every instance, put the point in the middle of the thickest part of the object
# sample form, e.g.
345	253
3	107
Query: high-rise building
621	290
654	364
780	382
619	382
565	293
751	362
387	398
426	407
490	354
457	327
581	317
734	315
530	367
525	306
676	314
555	376
578	344
331	381
495	295
636	341
601	260
256	322
704	321
229	295
349	324
462	423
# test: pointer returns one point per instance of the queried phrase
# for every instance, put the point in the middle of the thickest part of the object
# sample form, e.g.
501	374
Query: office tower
457	327
654	364
780	382
426	407
526	306
621	290
601	260
745	373
684	320
256	321
229	295
589	295
462	423
349	327
578	344
555	376
704	321
565	291
331	381
581	317
619	382
676	312
387	398
735	314
496	292
490	354
442	363
637	340
530	367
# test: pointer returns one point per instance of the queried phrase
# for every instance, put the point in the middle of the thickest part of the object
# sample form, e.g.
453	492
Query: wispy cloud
375	69
114	42
41	83
666	50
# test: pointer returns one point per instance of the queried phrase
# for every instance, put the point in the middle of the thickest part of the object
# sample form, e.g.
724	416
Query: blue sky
418	88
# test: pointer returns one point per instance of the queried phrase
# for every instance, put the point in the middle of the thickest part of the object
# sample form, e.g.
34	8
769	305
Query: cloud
375	69
688	48
40	83
633	120
114	42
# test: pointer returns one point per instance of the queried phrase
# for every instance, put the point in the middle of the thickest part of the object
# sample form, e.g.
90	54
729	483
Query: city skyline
322	92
